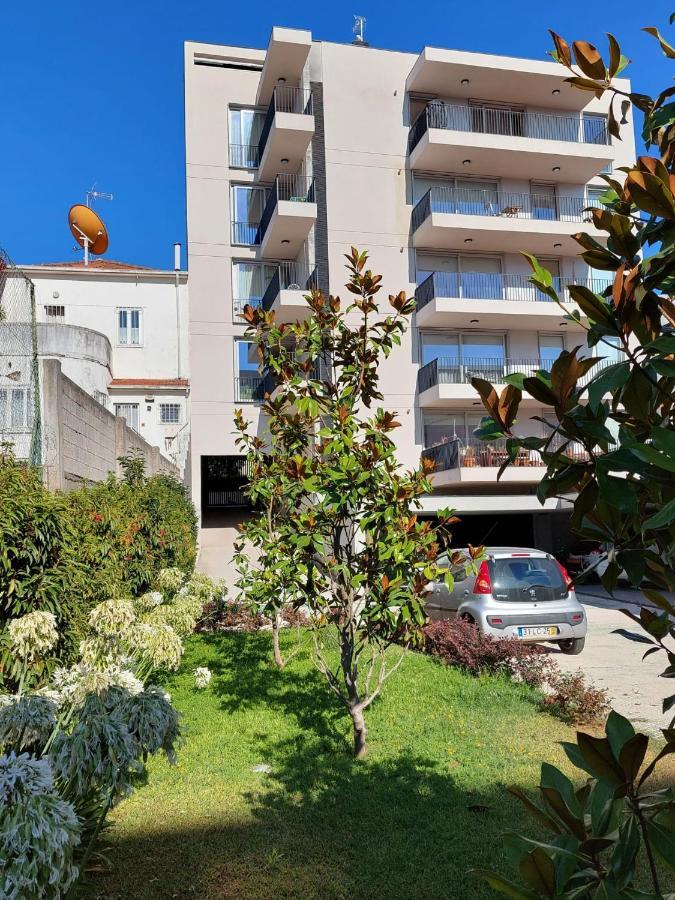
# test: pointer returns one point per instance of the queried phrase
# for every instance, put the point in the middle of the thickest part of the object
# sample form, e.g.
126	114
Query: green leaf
662	839
664	517
607	382
619	731
619	493
503	885
632	755
539	872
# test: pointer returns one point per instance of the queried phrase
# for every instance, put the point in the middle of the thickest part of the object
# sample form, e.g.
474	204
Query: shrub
460	643
64	553
575	701
222	614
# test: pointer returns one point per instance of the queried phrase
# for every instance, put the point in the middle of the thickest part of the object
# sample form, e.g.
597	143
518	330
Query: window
247	205
249	283
464	275
456	349
55	312
129	412
245	130
169	413
544	205
129	327
457	195
550	348
439	428
16	408
249	381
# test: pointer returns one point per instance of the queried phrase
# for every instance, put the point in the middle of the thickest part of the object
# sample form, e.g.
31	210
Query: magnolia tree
623	488
337	531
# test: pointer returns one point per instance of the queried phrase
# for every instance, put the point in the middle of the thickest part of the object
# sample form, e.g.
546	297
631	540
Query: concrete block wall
82	439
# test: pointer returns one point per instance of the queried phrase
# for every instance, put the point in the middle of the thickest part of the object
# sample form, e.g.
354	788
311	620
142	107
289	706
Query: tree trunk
359	725
278	659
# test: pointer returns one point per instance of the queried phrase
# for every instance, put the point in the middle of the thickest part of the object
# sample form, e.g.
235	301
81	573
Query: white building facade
444	165
121	333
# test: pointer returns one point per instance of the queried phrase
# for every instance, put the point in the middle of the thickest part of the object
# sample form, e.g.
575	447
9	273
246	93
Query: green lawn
427	804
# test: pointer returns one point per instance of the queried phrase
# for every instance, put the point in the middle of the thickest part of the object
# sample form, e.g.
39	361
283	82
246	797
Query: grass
426	805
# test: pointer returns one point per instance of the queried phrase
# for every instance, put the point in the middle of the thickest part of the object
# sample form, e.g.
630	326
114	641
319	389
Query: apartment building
120	332
444	165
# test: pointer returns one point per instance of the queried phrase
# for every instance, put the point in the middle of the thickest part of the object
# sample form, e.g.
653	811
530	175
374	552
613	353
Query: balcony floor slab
444	312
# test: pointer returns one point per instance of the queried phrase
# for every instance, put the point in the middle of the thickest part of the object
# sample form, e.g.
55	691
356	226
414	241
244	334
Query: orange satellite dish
87	228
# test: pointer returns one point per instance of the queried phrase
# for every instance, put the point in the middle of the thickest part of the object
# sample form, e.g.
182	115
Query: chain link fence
20	423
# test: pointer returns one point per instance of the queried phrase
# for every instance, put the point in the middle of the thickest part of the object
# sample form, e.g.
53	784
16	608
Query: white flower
126	679
202	677
33	634
112	617
159	644
149	601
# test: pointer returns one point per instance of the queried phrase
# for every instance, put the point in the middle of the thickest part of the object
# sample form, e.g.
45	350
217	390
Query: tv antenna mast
359	29
93	195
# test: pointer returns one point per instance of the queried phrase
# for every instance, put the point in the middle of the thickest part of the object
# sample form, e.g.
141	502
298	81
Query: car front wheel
573	646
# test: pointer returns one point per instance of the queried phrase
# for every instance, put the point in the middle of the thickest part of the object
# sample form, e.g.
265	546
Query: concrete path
615	663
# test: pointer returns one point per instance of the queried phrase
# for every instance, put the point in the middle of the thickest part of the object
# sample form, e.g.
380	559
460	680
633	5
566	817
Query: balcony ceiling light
474	321
281	80
562	323
556	92
285	241
468	240
465	81
466	162
284	159
555	169
557	245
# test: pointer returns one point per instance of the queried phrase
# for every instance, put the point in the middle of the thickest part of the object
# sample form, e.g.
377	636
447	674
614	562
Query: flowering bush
39	831
61	553
458	642
575	701
202	677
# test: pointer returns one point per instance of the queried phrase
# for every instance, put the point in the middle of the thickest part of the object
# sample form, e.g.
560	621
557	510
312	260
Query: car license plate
537	631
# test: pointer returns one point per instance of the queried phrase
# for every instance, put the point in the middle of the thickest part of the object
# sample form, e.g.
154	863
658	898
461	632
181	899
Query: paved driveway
615	663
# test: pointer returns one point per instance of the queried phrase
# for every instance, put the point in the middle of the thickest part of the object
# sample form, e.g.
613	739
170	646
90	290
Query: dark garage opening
512	530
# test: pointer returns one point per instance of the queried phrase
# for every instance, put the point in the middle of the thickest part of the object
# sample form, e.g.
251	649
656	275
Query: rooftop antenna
93	195
359	30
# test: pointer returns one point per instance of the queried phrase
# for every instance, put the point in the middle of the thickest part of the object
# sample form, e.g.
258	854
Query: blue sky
98	96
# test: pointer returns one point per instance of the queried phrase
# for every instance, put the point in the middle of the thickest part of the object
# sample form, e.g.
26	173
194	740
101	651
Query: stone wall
83	440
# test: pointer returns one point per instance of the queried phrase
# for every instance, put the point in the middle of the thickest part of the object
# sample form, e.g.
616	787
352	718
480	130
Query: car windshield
510	572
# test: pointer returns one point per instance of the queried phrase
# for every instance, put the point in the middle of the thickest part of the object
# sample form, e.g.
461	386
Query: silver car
516	593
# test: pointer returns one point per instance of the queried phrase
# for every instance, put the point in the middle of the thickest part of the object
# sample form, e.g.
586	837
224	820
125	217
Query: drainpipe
176	267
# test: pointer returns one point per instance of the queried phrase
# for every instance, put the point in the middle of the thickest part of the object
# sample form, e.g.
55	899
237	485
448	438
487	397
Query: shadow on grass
325	827
246	677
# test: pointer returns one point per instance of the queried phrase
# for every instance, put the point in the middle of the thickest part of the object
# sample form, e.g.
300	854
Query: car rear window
513	572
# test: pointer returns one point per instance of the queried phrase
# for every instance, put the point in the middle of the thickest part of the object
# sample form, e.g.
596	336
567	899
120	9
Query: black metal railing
252	388
244	156
455	453
296	188
289	277
495	286
514	123
285	99
507	204
245	233
452	370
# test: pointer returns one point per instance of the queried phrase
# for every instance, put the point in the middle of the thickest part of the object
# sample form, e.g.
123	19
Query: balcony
477	462
446	382
496	300
244	156
285	60
286	133
508	143
288	217
448	217
285	294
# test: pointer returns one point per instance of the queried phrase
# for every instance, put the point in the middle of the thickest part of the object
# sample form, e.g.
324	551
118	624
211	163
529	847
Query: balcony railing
296	188
451	370
495	120
284	99
507	204
455	453
495	286
252	388
292	276
244	156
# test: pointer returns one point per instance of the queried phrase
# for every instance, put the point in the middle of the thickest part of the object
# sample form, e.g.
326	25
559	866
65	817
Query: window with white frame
169	413
129	322
249	283
245	130
130	414
16	408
